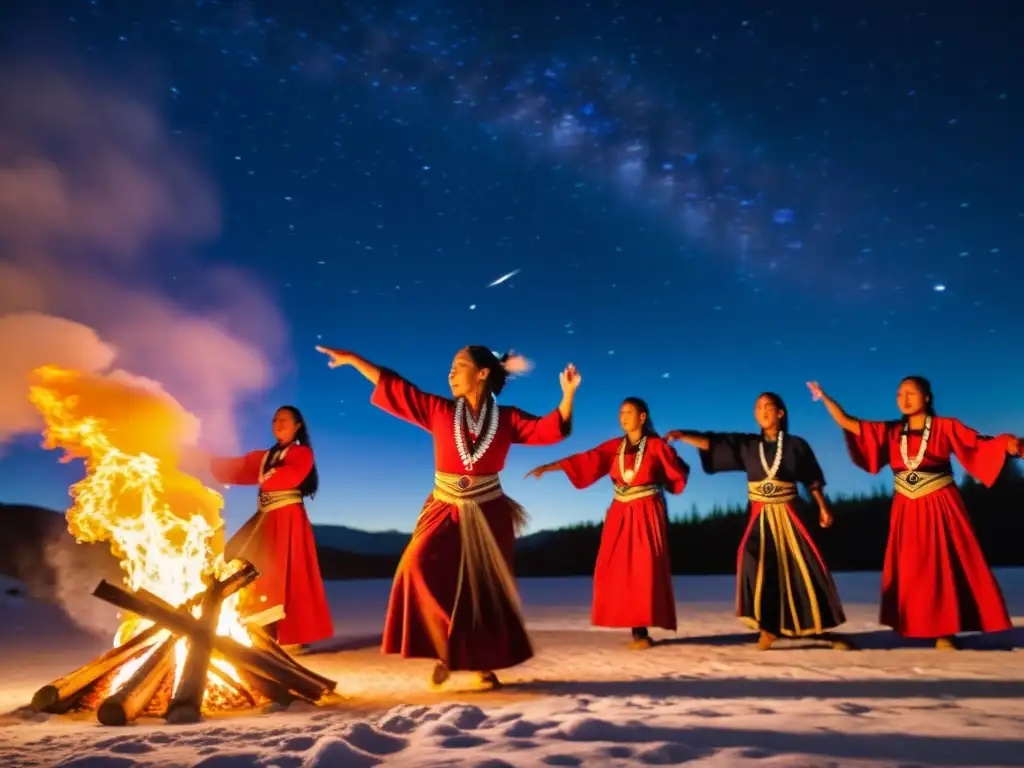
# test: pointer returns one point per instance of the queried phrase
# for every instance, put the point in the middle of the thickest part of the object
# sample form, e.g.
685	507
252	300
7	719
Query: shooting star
505	277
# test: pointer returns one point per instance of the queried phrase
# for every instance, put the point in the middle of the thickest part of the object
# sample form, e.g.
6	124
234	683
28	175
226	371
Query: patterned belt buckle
913	478
464	483
768	489
264	499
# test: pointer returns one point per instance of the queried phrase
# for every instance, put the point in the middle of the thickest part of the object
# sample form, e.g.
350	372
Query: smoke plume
100	204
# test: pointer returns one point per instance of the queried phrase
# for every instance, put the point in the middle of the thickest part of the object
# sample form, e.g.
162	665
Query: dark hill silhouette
36	548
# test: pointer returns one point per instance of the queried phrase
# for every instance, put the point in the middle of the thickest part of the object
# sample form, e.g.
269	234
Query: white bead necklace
469	459
476	426
629	474
770	472
913	464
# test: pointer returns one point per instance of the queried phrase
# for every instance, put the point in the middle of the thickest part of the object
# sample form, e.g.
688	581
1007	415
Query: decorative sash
914	485
481	563
271	500
628	493
772	491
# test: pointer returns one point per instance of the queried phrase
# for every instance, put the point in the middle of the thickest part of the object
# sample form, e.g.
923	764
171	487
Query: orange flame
164	525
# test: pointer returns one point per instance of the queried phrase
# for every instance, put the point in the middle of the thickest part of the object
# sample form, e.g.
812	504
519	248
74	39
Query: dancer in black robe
783	586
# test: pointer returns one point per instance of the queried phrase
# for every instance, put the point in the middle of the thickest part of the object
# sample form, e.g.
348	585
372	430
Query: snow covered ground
703	697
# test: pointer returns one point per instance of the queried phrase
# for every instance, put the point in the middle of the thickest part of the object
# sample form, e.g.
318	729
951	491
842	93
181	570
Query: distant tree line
707	543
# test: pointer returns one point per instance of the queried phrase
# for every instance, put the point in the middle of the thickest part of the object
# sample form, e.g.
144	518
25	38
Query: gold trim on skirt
481	562
914	485
772	491
628	493
791	564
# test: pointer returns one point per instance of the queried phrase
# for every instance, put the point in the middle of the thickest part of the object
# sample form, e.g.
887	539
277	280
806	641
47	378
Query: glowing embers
178	665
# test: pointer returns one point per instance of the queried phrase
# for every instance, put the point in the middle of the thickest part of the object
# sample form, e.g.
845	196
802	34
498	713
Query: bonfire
189	643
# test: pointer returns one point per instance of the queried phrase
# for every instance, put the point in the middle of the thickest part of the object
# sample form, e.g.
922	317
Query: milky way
792	209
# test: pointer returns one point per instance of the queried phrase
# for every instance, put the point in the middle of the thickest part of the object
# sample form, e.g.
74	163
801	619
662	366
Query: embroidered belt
628	493
271	500
914	485
772	491
451	489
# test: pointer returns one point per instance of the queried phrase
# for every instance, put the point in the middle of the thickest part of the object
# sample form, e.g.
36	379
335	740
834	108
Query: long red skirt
633	573
936	581
423	621
282	547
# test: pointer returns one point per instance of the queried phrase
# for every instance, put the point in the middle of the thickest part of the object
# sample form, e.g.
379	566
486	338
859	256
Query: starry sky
695	205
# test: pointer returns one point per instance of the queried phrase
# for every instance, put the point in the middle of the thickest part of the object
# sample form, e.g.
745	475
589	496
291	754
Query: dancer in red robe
633	573
936	582
454	597
783	586
278	539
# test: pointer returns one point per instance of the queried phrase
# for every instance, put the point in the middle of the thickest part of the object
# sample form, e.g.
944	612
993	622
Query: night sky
695	205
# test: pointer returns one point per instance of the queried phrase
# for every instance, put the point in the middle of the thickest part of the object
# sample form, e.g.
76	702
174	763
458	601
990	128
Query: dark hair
925	388
311	484
780	405
647	428
484	359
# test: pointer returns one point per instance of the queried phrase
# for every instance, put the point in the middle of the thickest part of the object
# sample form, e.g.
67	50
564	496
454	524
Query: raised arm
983	457
340	357
842	418
528	429
583	469
696	439
237	470
570	380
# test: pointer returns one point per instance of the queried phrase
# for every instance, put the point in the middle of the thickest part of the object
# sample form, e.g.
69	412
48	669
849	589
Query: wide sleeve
870	449
724	452
676	471
982	457
586	468
528	429
807	470
293	469
405	400
238	470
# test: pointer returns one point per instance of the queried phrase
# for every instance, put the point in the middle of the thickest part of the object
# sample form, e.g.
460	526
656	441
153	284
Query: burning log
188	699
262	640
264	670
128	702
64	693
296	678
265	618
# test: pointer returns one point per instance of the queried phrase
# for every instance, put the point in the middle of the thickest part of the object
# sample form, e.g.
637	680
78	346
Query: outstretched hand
570	379
537	471
825	518
817	393
338	357
673	436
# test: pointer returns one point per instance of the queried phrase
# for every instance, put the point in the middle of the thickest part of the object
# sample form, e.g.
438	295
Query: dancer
936	582
454	597
278	539
633	573
783	586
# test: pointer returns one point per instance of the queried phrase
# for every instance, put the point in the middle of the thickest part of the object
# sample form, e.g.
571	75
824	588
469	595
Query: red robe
936	582
423	620
284	546
633	573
